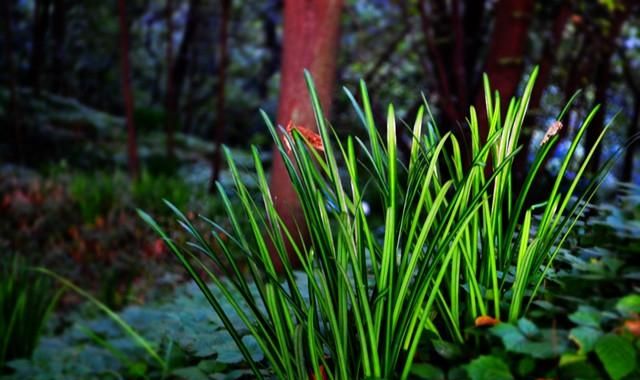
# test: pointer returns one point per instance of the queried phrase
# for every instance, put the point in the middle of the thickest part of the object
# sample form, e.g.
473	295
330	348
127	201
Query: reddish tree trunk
127	93
40	24
311	30
218	135
505	59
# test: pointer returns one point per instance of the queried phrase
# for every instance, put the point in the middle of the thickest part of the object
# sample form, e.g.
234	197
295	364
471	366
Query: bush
457	245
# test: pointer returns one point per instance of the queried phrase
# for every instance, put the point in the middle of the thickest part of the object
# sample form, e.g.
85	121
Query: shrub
458	244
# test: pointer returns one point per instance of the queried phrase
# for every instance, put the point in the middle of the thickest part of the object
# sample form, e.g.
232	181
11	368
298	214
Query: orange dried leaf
310	136
633	326
485	320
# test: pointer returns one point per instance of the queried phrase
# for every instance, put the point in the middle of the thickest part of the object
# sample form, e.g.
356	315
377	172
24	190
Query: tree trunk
218	134
474	13
40	24
178	71
505	58
271	44
127	92
311	31
58	33
170	86
606	49
12	114
545	64
632	134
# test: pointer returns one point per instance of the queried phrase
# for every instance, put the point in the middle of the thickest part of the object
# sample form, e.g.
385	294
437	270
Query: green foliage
26	300
448	226
488	368
95	193
526	338
617	355
176	339
149	191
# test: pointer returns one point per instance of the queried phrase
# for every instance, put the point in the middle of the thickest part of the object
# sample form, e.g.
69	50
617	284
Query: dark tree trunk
127	92
474	11
602	86
607	42
179	70
311	31
545	64
269	28
170	86
12	114
548	58
442	72
633	133
40	25
58	33
220	101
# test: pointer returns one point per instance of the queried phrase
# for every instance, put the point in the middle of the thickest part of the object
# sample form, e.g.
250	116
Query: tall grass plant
459	240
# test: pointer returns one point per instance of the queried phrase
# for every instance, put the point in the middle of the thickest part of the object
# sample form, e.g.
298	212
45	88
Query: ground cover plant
459	246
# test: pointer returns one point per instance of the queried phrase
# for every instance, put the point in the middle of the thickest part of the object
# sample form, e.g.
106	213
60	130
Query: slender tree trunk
13	113
474	12
178	72
40	25
458	55
170	112
632	134
272	44
545	64
220	101
58	33
127	92
451	112
607	48
602	86
311	31
505	59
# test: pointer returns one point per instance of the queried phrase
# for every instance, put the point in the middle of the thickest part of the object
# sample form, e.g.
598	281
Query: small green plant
149	190
94	193
457	242
26	300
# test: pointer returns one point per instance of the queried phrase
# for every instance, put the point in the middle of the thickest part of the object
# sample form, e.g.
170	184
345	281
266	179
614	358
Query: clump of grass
26	300
457	244
95	194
